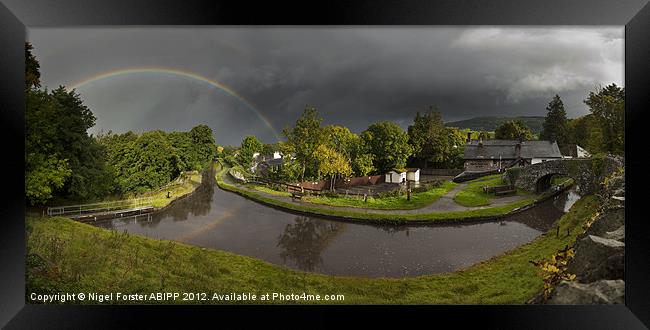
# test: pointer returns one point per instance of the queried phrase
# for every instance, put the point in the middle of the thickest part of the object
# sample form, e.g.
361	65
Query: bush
424	187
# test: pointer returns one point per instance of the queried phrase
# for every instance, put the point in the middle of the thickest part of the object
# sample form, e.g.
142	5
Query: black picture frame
16	15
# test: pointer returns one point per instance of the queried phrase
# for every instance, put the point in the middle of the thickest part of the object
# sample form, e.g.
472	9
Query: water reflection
198	204
566	200
303	241
222	220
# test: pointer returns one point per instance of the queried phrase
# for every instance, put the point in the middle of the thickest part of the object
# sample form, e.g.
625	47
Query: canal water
214	218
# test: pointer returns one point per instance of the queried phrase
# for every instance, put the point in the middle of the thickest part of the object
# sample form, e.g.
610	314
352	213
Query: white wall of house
413	175
276	155
540	160
394	177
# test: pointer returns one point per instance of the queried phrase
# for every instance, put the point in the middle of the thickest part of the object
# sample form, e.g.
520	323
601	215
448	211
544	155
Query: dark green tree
304	138
45	170
388	144
249	146
204	145
32	68
608	106
555	124
586	132
432	142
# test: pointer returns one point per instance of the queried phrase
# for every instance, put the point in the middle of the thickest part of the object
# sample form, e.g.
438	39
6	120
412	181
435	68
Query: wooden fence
82	209
441	171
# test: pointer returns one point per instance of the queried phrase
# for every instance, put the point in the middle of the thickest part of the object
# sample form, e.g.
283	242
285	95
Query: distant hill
491	123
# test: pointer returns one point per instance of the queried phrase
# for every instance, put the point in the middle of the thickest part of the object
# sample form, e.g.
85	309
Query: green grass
268	190
472	195
361	215
81	258
418	200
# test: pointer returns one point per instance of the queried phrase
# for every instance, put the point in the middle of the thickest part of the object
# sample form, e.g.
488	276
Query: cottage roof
507	149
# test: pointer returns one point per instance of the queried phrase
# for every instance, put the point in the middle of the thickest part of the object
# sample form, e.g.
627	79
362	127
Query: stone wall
599	262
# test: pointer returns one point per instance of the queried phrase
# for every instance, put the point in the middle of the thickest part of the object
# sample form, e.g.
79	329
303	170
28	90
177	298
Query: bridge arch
587	173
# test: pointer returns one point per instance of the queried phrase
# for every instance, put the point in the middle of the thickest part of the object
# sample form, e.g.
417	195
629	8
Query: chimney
469	137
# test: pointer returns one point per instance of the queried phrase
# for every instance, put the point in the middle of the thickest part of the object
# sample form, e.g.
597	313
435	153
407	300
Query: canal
217	219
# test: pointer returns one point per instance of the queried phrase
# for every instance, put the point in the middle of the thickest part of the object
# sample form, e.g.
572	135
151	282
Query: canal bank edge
512	278
481	215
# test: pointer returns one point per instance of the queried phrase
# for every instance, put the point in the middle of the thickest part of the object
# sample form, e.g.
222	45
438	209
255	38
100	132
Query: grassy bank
361	215
67	256
186	183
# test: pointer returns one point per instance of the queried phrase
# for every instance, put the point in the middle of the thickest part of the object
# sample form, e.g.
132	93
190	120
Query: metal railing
82	209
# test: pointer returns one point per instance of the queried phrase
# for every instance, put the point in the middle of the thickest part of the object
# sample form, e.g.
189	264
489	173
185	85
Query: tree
513	130
32	69
586	132
56	133
432	142
332	164
341	140
249	146
388	144
555	124
304	138
70	121
362	164
204	146
608	107
45	170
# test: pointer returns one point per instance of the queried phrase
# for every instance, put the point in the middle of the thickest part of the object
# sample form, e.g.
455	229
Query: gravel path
443	204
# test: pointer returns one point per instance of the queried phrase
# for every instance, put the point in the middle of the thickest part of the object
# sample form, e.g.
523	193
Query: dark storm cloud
354	76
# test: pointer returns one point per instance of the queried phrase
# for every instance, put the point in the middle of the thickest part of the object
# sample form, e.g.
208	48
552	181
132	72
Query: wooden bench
488	190
295	195
504	190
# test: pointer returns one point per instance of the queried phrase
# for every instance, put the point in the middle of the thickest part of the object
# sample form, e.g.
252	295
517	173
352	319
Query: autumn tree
331	164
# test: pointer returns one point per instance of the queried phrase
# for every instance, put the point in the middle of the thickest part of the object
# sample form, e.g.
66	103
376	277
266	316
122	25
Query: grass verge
473	194
180	187
68	256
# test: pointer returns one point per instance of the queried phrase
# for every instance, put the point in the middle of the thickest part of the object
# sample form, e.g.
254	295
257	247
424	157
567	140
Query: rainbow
139	70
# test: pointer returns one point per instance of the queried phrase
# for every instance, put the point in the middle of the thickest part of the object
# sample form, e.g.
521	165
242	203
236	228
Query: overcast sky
354	76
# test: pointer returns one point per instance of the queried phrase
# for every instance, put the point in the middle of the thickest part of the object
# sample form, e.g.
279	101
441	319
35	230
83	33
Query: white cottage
399	176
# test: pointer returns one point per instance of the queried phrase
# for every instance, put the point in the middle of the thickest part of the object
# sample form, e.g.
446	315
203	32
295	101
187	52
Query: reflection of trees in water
392	229
199	203
304	240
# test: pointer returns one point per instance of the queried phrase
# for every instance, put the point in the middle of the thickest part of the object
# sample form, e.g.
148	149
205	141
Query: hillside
491	123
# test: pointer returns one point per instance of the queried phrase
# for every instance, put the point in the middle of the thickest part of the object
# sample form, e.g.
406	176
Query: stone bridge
587	173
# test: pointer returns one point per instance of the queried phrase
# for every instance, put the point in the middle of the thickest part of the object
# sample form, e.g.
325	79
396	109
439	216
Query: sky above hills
257	80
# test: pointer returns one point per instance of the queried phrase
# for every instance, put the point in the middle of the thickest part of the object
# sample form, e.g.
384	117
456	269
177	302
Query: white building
400	176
